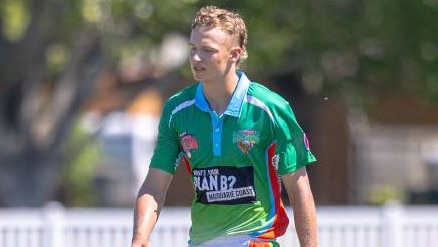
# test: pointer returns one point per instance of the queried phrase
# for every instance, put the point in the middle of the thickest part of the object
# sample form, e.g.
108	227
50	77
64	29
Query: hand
140	243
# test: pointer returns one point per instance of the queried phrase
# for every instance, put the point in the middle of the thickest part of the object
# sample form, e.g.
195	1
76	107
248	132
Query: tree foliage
52	53
346	47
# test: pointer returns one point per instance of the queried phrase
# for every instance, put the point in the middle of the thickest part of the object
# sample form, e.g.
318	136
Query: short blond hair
230	22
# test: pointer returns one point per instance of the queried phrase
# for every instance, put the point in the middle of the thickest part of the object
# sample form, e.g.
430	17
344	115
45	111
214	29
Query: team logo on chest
188	143
245	139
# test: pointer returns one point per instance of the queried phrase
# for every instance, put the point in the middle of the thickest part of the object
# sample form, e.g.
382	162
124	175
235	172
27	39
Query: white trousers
228	241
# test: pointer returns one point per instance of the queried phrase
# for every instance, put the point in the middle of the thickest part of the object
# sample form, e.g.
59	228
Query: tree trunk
34	124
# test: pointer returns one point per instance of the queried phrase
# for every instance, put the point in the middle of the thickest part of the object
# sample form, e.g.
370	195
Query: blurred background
82	84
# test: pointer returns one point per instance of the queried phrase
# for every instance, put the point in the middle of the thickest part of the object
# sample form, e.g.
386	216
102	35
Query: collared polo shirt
234	159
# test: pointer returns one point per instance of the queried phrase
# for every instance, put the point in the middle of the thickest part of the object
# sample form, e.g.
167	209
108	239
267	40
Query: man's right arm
149	202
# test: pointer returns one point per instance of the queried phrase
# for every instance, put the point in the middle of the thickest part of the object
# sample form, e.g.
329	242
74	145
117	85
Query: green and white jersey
235	159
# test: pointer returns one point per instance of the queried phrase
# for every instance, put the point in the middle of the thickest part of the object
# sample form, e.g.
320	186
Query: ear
235	54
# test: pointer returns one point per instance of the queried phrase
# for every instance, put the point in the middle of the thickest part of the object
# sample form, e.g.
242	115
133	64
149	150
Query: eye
208	49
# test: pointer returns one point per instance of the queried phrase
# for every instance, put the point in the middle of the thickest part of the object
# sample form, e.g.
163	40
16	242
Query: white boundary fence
55	226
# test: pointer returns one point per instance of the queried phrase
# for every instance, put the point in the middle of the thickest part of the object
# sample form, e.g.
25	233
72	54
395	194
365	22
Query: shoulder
269	97
185	96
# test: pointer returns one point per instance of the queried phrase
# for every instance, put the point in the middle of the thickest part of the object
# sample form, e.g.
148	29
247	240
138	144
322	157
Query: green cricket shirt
235	159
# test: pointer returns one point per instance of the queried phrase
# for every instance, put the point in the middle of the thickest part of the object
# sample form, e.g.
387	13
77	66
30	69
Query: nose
194	55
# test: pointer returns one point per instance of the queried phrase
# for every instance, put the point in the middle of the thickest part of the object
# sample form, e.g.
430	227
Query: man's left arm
301	199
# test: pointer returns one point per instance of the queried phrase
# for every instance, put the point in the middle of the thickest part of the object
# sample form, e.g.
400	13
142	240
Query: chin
197	76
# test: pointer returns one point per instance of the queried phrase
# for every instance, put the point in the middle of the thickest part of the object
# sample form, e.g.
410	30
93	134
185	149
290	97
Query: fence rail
55	226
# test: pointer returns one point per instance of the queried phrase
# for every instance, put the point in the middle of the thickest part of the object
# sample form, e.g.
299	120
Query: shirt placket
217	124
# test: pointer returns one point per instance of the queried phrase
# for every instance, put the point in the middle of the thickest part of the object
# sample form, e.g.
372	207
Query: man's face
210	53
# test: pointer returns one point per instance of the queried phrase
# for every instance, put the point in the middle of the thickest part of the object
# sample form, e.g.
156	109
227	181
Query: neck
219	94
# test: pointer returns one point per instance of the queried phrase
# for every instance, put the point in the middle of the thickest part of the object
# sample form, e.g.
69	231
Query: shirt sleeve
167	148
292	144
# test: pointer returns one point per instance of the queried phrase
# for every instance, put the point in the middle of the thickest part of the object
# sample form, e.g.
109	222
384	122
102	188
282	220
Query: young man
237	139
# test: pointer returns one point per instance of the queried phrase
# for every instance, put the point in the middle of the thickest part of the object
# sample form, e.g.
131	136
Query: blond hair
230	22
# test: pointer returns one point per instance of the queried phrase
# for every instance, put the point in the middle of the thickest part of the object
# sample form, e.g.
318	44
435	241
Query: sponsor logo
179	160
275	160
188	143
245	139
231	194
224	185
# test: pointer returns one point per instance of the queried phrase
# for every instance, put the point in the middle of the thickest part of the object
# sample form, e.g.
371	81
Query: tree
52	53
37	111
345	47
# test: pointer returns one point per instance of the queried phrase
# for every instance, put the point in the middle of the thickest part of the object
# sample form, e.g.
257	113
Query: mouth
198	68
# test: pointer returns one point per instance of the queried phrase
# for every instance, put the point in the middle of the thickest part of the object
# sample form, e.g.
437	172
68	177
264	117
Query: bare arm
301	199
150	200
